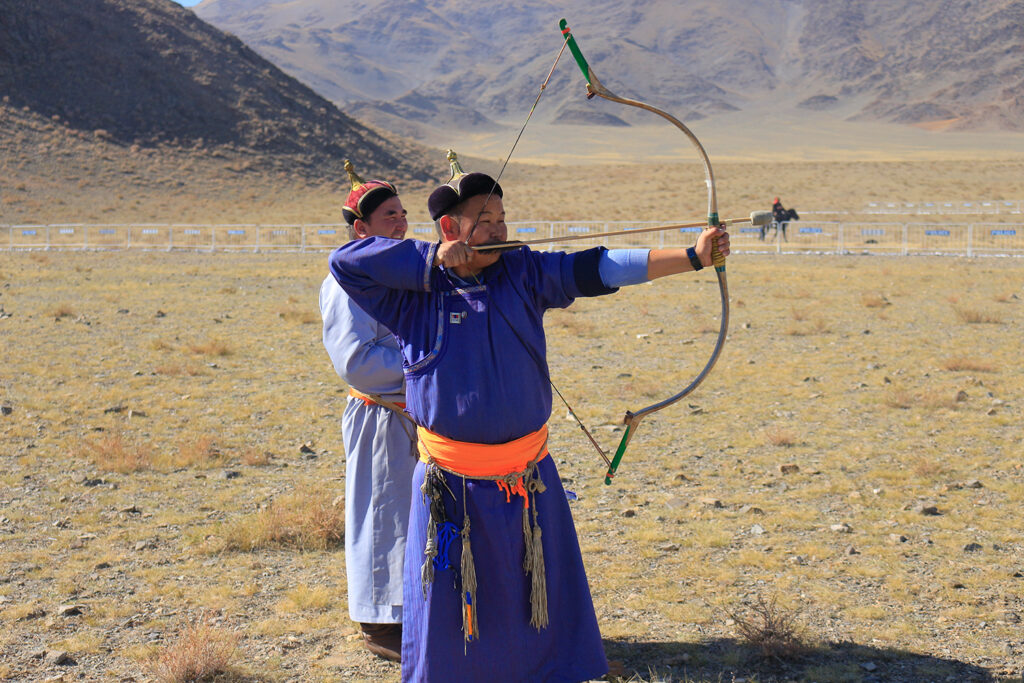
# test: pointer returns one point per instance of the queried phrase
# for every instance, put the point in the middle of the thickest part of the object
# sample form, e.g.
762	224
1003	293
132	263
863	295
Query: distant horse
781	218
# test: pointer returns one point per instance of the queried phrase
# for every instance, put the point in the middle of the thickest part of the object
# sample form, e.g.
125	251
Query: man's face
489	219
387	220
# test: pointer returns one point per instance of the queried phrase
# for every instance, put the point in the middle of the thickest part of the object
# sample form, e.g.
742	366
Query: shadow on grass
724	660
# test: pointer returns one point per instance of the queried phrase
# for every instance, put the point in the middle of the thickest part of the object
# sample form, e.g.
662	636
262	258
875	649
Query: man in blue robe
495	588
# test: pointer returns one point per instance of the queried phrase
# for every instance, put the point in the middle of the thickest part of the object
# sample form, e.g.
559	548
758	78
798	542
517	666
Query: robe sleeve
365	356
379	273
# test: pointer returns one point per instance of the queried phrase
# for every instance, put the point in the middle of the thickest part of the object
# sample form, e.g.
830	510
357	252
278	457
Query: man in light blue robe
378	437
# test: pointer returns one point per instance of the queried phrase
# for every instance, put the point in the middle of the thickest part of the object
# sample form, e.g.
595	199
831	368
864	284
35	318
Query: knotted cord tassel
470	627
535	555
430	549
527	543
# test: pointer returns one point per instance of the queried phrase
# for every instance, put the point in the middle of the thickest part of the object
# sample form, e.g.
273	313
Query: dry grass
201	652
874	301
211	347
118	452
302	315
63	311
967	364
976	317
780	436
305	520
772	630
252	410
201	452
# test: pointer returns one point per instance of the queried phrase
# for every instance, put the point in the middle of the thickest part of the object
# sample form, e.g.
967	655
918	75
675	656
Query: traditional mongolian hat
366	195
459	188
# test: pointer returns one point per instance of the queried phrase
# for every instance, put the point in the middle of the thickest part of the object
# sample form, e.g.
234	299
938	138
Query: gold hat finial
353	177
457	171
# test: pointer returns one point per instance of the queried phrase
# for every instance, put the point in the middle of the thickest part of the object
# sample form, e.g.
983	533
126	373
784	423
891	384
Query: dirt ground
854	456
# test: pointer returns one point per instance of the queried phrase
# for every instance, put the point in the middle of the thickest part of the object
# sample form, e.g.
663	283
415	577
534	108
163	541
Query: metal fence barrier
979	208
806	236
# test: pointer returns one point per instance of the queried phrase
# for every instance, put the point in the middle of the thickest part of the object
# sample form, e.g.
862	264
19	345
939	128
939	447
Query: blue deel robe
476	370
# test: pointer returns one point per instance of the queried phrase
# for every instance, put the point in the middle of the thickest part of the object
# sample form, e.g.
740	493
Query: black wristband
691	254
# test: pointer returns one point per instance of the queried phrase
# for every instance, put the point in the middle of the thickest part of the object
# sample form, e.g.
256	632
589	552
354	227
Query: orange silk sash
483	459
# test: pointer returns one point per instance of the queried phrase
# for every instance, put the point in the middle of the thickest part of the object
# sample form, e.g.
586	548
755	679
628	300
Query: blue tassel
447	532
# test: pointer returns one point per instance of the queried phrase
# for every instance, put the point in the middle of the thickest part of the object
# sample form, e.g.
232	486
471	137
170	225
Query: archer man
494	586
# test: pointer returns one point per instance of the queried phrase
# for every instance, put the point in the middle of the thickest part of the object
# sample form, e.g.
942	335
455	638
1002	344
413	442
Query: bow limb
596	88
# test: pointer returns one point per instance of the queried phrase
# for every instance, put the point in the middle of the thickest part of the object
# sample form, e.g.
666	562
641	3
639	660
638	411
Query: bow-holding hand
662	262
707	239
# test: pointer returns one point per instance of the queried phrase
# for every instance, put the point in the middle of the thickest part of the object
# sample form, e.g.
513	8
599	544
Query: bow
633	417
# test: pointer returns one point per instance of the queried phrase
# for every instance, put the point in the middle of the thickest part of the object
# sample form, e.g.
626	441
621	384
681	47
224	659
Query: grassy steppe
172	449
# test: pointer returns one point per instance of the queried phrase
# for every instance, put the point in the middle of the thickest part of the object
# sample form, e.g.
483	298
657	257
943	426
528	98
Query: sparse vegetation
201	652
150	494
305	520
770	629
976	317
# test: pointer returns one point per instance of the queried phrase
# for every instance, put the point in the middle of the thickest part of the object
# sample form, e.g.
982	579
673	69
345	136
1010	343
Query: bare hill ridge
408	66
149	73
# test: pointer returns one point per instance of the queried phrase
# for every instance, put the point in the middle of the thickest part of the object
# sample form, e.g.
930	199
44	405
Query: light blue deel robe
379	457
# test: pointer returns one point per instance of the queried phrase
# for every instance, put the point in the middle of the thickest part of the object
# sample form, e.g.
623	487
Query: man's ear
449	228
360	228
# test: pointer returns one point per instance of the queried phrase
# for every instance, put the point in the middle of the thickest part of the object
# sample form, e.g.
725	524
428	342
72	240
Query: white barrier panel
801	236
422	231
935	238
29	237
67	236
108	236
196	237
149	236
998	238
275	237
576	230
325	237
872	238
235	237
750	239
978	207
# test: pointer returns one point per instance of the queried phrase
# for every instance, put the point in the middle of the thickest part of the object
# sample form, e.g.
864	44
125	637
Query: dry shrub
304	520
255	458
304	316
211	347
965	364
900	398
773	630
198	452
778	436
971	316
200	653
115	452
928	468
179	370
160	345
63	311
874	301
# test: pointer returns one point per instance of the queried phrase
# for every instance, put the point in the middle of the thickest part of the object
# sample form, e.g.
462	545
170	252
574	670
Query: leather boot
383	640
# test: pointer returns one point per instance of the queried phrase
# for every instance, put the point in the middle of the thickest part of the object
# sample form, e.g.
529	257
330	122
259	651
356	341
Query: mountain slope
149	72
951	65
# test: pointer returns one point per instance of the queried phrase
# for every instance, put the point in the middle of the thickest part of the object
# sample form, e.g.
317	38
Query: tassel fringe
470	627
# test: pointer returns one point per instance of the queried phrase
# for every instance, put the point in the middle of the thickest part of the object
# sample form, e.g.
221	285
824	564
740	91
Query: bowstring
540	364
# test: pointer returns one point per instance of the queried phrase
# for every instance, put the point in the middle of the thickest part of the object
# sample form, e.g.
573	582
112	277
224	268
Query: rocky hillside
148	73
406	64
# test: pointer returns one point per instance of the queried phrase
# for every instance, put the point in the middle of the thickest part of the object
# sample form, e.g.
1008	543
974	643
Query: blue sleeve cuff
621	267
